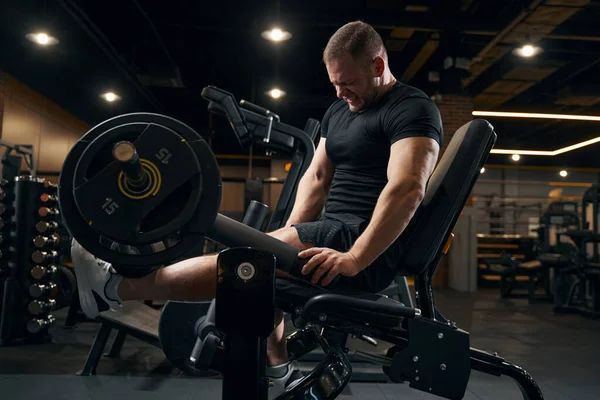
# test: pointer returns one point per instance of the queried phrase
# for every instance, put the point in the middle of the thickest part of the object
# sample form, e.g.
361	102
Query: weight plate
177	332
66	286
122	216
138	231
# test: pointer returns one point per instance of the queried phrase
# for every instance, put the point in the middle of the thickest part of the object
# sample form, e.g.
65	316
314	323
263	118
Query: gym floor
561	352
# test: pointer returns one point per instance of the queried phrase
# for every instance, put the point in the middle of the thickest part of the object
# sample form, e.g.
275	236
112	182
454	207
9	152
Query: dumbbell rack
31	284
6	206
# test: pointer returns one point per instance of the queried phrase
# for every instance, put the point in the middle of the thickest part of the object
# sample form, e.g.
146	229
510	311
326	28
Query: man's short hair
358	39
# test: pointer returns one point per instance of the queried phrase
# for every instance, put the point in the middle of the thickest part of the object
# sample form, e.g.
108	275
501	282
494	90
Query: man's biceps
415	160
416	149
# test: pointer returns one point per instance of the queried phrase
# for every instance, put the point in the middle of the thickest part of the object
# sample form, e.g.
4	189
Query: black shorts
334	234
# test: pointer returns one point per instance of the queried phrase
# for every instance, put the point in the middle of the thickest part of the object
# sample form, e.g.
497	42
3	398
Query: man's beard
366	102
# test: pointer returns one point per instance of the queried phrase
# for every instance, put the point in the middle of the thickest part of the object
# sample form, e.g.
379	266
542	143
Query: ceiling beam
421	58
548	87
569	47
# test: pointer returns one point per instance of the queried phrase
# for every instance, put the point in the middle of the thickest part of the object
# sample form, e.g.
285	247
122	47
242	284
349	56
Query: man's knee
290	236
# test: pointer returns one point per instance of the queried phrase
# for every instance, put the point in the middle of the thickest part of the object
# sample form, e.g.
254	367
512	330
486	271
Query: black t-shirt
358	144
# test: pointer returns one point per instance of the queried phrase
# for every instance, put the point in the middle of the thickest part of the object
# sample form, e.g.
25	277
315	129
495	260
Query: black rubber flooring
561	352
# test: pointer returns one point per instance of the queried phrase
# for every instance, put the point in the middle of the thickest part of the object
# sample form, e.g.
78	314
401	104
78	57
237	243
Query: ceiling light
547	152
110	97
563	173
572	117
516	157
276	35
535	115
527	50
42	38
276	93
577	145
482	170
523	152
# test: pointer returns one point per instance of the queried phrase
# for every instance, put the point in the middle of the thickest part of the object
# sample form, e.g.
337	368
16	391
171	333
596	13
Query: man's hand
329	263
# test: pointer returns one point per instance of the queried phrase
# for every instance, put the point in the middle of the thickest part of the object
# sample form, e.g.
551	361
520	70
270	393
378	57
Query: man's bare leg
194	280
276	345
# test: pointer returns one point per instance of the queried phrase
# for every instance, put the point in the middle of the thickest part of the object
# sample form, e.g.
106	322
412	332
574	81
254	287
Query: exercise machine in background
539	267
577	284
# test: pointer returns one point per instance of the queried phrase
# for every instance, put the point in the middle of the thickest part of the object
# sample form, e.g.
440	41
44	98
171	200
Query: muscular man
379	145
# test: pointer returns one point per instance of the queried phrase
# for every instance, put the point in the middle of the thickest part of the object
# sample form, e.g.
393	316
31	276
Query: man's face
353	81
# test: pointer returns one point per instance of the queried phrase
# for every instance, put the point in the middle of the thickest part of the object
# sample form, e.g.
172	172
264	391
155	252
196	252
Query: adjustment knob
44	257
37	290
39	272
46	226
37	325
37	307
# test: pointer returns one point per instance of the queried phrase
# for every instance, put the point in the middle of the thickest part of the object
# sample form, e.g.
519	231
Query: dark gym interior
508	240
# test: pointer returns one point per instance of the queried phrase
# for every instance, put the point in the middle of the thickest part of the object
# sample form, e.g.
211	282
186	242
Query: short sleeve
414	116
325	122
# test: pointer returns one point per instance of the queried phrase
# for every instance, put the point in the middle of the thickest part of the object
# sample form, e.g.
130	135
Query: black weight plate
66	285
170	206
166	248
177	332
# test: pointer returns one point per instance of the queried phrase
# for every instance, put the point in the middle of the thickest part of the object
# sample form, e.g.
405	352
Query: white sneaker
93	275
281	377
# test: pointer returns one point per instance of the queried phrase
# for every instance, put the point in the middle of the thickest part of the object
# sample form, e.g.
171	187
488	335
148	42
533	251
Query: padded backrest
446	194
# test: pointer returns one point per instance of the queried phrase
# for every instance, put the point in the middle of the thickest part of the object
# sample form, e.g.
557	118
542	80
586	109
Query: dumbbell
40	272
48	198
36	325
45	241
2	208
3	182
37	307
1	223
45	211
44	257
50	185
45	226
37	290
2	194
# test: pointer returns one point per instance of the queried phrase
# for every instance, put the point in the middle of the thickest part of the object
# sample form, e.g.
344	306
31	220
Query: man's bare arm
411	163
313	188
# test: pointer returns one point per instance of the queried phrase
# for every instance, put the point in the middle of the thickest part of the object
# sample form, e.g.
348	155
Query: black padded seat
293	293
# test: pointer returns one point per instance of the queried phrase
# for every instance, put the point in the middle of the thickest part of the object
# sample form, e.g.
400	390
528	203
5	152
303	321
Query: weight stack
31	286
6	213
